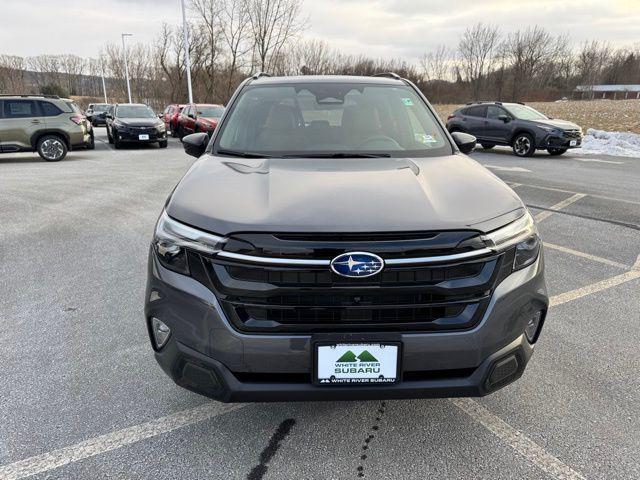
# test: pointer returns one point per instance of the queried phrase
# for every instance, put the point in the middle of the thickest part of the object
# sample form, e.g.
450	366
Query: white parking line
559	206
587	256
111	441
517	440
507	169
605	284
597	160
594	195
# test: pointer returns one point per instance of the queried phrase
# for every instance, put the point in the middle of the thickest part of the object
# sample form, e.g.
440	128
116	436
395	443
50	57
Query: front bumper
207	355
134	136
553	141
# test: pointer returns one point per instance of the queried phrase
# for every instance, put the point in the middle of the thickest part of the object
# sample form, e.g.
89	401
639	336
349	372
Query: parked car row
517	125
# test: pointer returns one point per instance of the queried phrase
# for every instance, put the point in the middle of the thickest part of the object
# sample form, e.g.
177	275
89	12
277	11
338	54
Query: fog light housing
161	332
532	329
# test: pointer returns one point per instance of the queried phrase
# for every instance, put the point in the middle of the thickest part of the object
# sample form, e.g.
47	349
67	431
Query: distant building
614	92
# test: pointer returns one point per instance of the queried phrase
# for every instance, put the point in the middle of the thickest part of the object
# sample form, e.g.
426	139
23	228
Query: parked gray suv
517	125
332	242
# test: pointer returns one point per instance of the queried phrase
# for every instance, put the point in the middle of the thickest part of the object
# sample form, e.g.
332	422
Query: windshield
212	112
100	107
324	119
522	112
134	111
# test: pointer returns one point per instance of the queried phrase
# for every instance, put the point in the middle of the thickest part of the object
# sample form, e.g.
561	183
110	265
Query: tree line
230	39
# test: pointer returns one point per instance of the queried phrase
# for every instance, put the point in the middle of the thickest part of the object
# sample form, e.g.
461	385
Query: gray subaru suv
517	125
333	241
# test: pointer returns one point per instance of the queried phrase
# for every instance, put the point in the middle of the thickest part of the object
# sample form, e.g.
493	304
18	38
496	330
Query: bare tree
524	52
273	23
476	49
236	32
591	61
436	65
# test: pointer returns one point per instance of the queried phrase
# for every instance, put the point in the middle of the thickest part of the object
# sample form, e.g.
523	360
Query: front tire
163	143
556	151
523	145
109	137
92	143
52	148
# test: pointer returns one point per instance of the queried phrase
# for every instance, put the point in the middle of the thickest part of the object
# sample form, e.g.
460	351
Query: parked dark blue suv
517	125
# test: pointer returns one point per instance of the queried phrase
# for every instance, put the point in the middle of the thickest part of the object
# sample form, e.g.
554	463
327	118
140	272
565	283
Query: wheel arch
50	131
520	130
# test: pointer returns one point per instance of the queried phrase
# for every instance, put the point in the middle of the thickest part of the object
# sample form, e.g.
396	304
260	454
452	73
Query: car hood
139	122
561	124
225	195
210	119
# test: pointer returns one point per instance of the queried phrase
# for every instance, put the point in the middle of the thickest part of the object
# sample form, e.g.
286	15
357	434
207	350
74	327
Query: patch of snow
617	144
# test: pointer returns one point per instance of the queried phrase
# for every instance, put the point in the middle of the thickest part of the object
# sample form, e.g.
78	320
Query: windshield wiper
235	153
338	155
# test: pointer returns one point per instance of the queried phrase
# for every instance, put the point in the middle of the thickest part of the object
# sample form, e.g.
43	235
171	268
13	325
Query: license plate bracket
356	363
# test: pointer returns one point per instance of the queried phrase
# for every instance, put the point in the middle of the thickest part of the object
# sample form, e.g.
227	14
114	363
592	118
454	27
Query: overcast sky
385	28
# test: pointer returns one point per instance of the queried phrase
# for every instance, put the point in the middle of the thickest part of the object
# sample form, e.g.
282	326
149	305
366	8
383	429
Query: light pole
104	85
126	67
185	35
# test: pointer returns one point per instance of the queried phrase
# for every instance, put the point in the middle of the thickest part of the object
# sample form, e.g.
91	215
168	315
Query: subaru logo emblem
357	264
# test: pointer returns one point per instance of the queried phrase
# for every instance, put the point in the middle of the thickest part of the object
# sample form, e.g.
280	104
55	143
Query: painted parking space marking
594	195
114	440
587	256
559	206
597	160
517	440
507	169
600	286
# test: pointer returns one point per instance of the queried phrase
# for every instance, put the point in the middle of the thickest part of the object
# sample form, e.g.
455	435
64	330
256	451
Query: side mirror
191	115
504	118
108	115
465	142
195	144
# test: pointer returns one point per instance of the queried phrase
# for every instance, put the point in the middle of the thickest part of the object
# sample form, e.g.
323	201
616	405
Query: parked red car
199	117
170	118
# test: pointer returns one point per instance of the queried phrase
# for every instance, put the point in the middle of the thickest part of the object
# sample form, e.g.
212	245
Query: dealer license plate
143	137
357	363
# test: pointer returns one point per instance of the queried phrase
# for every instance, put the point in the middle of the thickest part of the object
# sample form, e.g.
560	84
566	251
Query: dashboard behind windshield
129	111
327	118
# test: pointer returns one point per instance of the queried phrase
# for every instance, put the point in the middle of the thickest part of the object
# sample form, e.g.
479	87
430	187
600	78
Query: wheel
117	144
109	137
556	151
52	148
181	133
92	143
163	143
488	146
523	145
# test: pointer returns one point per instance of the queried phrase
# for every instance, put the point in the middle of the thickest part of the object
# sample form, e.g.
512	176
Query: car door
474	118
190	120
495	127
21	121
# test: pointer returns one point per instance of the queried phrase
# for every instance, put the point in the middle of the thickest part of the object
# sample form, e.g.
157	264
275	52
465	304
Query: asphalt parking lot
82	396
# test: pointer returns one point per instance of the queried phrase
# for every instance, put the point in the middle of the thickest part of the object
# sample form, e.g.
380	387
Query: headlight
119	124
161	127
521	234
172	238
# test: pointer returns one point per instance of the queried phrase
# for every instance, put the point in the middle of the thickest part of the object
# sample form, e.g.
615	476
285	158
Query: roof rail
256	76
27	95
388	74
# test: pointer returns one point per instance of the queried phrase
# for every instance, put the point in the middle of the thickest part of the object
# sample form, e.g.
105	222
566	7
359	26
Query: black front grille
309	299
572	134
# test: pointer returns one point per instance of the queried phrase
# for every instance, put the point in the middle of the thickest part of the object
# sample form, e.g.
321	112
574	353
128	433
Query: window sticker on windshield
408	102
423	138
